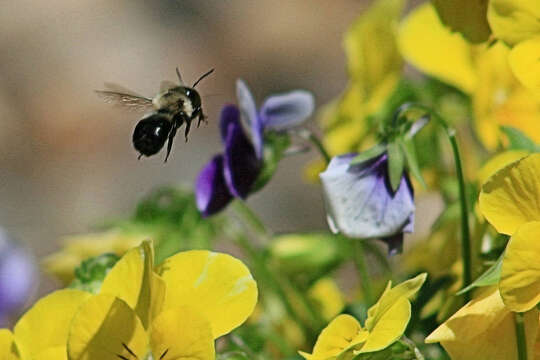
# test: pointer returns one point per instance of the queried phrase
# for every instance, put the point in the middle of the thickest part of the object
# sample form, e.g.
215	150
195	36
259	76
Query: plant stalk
520	336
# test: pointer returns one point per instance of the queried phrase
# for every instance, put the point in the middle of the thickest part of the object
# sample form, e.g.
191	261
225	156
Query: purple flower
361	204
232	174
17	278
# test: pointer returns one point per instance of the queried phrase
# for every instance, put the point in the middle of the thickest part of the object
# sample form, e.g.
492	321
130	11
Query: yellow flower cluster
173	311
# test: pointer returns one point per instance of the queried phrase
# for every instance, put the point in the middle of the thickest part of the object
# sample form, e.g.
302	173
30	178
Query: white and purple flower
17	278
233	173
361	203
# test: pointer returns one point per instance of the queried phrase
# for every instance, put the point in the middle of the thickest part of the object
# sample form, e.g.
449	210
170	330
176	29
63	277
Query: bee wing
129	101
166	85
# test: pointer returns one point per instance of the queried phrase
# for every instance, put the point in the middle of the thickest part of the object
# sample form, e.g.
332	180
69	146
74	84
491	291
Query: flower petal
241	165
359	199
8	348
17	277
484	329
285	111
514	20
229	114
525	63
46	324
436	51
498	162
520	276
216	285
339	336
211	191
106	328
508	199
390	327
195	341
248	114
132	279
464	16
405	290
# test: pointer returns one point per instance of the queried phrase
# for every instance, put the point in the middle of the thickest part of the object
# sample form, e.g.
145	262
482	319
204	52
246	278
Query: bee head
151	133
193	96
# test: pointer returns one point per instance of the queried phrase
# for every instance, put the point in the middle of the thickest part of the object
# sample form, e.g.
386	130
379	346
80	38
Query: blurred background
66	157
67	161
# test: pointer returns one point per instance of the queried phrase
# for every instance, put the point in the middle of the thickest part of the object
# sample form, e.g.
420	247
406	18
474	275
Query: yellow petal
55	353
390	296
8	348
524	61
498	162
465	16
133	280
390	327
514	20
371	47
106	328
432	48
484	330
343	333
520	276
182	333
216	285
46	324
509	198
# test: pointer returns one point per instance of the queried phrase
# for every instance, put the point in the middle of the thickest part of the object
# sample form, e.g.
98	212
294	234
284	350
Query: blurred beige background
66	157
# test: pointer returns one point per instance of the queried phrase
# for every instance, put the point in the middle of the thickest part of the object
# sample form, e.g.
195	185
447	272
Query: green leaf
90	273
369	154
490	277
518	140
403	349
233	355
412	162
396	164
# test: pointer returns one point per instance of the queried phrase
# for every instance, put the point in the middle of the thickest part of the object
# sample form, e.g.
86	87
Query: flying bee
174	106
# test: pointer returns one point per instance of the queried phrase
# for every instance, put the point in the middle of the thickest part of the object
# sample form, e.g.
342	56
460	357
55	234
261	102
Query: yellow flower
498	162
345	337
326	295
509	201
42	332
375	67
484	329
81	247
199	294
517	23
480	71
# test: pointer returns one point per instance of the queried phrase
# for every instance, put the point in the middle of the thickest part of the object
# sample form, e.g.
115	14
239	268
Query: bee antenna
203	76
179	76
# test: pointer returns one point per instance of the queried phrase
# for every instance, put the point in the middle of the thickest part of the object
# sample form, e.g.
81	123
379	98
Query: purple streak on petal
17	277
229	114
285	111
242	167
361	202
211	191
250	119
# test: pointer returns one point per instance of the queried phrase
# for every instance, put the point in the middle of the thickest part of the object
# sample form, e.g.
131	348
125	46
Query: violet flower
361	204
232	173
17	278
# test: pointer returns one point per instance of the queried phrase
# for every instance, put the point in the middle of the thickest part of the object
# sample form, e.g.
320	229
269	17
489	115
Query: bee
174	106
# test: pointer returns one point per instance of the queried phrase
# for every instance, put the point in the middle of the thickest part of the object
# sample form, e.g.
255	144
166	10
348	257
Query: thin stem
465	233
363	274
247	214
520	336
309	135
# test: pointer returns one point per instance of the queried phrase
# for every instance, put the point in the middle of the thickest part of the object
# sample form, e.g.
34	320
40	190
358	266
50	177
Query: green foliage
90	273
518	140
400	350
275	145
490	277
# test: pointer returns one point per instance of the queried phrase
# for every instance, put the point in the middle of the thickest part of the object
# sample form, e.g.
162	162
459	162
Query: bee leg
170	140
188	126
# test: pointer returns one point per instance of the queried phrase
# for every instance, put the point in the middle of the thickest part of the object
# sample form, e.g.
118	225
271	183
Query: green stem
308	135
465	233
520	336
249	216
363	274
